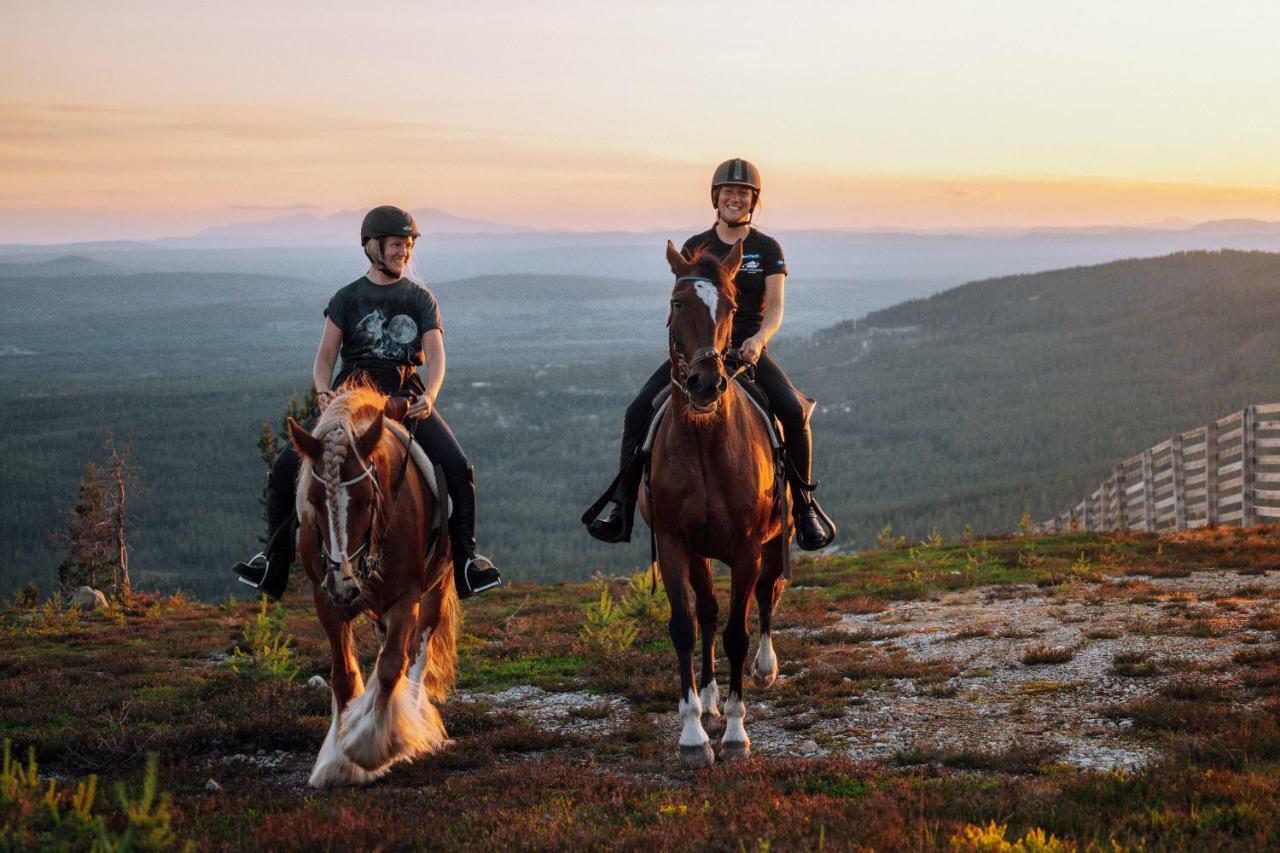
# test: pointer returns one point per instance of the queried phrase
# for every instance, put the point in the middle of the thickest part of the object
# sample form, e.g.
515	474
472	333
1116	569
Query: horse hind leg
389	722
332	767
735	744
764	667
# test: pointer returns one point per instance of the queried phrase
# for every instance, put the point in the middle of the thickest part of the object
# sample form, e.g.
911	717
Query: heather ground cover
1072	690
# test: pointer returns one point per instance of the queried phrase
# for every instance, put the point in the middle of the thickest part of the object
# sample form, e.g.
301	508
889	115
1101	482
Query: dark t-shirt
382	325
761	257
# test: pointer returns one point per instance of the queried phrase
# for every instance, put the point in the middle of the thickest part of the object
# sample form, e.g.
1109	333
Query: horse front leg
704	594
386	724
332	767
764	667
735	743
674	559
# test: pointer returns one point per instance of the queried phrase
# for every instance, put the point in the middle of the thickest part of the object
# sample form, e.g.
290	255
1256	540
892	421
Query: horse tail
441	670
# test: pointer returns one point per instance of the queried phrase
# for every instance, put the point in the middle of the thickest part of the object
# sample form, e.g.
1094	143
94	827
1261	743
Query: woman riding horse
760	281
384	325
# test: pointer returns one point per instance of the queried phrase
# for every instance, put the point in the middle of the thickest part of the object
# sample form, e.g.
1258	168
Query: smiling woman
383	326
758	284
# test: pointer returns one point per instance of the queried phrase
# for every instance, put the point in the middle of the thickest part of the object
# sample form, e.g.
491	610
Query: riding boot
616	522
472	572
268	571
814	528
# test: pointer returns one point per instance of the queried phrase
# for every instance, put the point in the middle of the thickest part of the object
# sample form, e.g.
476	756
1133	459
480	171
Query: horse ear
732	261
679	263
304	442
368	439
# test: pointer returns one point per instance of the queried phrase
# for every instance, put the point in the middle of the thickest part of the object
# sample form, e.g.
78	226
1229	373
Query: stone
808	747
88	598
317	681
212	787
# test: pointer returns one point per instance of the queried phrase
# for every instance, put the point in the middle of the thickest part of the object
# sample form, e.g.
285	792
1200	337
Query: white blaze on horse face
691	713
707	293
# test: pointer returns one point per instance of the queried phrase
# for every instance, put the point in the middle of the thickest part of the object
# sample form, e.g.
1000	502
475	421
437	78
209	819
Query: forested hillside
996	398
1015	394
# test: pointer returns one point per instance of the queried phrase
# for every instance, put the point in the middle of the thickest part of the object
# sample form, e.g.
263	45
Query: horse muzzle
704	389
341	585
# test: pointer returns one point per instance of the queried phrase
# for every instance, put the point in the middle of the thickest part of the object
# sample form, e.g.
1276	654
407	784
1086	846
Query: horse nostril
722	383
694	383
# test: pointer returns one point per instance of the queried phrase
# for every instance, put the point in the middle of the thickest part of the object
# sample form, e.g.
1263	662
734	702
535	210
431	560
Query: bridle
369	560
683	365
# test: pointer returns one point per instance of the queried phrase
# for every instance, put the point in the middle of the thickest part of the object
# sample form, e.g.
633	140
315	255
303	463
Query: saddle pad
420	459
663	402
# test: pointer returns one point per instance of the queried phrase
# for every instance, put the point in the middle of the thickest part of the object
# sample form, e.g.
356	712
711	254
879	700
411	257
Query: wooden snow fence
1227	472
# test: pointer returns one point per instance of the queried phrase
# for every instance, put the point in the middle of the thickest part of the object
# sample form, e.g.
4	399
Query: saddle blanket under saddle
424	464
663	402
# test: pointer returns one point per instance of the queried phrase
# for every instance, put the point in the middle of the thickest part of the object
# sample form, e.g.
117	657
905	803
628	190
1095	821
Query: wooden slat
1230	500
1227	517
1266	443
1267	477
1229	487
1223	423
1267	494
1162	447
1230	468
1268	409
1160	506
1267	511
1230	435
1135	489
1195	495
1195	480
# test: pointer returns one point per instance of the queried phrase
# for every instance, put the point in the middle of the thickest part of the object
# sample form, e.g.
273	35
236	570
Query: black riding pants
784	399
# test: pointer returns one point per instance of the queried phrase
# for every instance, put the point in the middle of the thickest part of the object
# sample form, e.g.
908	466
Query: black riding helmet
737	172
388	221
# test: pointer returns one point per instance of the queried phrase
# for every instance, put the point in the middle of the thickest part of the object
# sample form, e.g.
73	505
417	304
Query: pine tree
87	539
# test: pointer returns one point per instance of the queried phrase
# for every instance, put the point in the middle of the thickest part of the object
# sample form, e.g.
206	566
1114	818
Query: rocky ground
1105	689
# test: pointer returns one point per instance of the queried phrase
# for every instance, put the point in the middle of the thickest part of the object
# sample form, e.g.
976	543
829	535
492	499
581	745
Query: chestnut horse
711	496
369	547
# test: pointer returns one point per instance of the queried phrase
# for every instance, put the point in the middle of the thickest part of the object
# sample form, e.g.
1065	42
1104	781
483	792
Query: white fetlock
695	746
710	698
764	668
735	743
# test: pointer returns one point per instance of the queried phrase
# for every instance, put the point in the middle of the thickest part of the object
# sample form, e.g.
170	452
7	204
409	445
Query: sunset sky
143	119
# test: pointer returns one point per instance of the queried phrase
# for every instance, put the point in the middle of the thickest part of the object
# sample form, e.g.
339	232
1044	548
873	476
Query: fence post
1122	499
1148	498
1179	486
1211	474
1248	421
1086	517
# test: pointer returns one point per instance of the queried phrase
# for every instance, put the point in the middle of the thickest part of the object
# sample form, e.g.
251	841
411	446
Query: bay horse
711	495
368	547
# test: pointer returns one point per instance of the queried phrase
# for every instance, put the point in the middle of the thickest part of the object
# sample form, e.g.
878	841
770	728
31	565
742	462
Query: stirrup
255	567
483	566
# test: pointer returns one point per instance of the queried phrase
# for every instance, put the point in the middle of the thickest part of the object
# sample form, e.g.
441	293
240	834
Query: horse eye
675	303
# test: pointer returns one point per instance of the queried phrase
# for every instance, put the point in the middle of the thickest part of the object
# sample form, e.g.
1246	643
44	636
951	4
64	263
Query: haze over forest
934	414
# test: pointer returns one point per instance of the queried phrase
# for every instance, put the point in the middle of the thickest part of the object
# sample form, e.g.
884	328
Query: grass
1043	655
604	775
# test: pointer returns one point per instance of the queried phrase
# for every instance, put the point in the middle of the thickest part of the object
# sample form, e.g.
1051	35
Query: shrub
35	815
1042	654
265	651
607	631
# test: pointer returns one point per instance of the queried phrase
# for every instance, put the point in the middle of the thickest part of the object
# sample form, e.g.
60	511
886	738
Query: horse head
701	323
342	493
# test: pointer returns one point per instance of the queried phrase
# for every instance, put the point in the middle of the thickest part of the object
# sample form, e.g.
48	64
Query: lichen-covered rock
88	598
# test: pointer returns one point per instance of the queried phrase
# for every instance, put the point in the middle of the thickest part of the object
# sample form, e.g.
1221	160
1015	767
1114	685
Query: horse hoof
764	679
697	757
734	750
